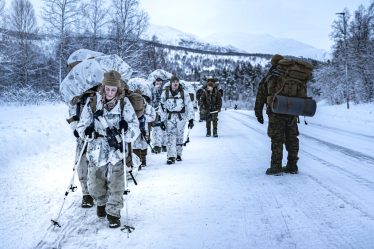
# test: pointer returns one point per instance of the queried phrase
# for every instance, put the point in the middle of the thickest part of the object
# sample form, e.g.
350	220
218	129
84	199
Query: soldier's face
110	92
158	83
174	85
209	88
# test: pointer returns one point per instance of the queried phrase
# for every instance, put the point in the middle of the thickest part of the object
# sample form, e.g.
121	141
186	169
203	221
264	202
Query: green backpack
291	80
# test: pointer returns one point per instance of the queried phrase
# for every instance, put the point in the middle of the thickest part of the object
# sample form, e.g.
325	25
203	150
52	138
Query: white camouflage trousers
106	185
175	132
82	168
159	137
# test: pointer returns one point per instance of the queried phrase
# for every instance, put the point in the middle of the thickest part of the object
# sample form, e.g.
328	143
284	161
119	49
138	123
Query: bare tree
60	15
23	21
2	7
129	23
97	18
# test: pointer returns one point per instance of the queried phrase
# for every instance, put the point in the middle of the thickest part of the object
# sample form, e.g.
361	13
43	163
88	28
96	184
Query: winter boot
100	211
87	201
156	149
179	158
290	170
215	135
208	134
274	171
170	160
164	149
114	221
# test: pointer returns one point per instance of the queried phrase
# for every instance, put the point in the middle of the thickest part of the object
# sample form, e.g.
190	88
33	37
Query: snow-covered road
217	197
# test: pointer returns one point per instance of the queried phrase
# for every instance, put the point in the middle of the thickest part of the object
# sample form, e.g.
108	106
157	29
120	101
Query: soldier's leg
164	141
208	125
180	137
215	124
116	187
276	131
171	131
138	152
292	145
144	157
157	138
97	184
82	170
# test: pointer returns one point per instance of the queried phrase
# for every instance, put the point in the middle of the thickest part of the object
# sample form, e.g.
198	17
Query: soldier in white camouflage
176	108
140	146
75	108
158	136
103	120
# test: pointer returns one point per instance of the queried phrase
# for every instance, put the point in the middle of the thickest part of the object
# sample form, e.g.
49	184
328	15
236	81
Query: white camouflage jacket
173	104
99	153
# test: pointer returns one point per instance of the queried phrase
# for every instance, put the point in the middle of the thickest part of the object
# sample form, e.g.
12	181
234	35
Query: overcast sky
308	21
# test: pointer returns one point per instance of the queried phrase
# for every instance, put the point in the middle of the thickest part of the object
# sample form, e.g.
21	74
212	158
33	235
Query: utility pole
345	55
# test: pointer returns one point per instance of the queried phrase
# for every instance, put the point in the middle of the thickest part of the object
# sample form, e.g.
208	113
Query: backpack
289	78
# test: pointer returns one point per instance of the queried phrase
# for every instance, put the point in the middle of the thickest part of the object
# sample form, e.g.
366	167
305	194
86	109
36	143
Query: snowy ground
217	197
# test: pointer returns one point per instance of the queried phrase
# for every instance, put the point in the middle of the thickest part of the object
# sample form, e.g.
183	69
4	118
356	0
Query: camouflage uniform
158	136
202	112
140	145
282	129
211	101
106	169
176	110
82	167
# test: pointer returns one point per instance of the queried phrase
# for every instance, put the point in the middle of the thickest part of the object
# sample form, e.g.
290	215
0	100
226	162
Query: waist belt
97	135
176	112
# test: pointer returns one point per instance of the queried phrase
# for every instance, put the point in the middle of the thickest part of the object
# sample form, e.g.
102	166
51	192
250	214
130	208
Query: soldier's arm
260	98
219	101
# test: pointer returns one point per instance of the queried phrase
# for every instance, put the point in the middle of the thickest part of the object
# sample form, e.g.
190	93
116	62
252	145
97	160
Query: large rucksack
287	88
291	79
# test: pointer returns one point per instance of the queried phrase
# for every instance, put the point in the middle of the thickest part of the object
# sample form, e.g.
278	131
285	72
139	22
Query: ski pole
188	138
148	142
126	227
71	186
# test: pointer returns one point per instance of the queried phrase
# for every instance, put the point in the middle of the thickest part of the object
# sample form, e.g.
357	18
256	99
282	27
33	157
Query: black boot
87	201
114	221
156	149
179	158
274	171
164	149
170	160
290	169
100	211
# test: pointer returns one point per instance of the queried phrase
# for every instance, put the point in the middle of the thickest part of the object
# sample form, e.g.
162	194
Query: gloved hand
190	124
89	130
76	134
123	125
260	119
98	113
162	126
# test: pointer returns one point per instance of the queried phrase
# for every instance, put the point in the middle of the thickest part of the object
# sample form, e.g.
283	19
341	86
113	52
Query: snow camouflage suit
106	169
212	103
140	145
82	167
159	137
176	110
282	129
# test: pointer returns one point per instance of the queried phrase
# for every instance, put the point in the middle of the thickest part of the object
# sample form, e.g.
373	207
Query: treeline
349	75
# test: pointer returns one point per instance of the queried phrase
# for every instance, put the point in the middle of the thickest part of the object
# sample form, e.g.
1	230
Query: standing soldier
103	120
177	108
282	128
75	108
211	102
158	135
140	146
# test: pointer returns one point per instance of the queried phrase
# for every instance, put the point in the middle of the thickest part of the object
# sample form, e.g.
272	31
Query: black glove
190	124
76	134
89	130
98	113
123	125
162	126
260	119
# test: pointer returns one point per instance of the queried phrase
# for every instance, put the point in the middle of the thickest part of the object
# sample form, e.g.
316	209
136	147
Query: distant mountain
171	36
267	44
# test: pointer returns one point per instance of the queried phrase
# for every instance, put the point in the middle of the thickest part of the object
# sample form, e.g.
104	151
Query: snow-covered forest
33	55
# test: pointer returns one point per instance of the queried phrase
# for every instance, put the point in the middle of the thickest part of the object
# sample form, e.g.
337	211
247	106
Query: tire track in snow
353	176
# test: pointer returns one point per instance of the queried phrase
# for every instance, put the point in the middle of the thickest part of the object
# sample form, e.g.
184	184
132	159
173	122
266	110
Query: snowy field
218	197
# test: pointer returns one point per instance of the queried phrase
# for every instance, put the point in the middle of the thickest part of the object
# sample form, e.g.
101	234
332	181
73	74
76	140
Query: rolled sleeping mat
294	106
